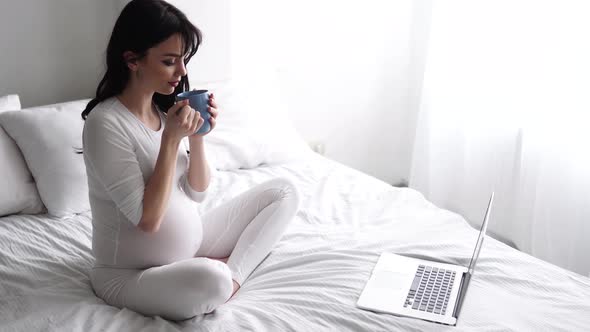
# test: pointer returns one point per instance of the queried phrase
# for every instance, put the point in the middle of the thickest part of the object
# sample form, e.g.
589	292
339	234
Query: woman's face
163	66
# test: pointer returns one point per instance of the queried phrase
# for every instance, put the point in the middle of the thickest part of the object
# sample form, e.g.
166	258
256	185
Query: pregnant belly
178	238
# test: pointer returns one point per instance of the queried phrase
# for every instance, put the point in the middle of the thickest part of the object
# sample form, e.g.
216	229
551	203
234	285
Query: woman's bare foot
236	287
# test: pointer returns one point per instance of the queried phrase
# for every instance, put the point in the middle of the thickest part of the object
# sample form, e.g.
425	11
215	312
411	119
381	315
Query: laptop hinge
461	295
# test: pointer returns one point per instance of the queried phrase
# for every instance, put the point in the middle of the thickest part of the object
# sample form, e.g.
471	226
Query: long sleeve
111	158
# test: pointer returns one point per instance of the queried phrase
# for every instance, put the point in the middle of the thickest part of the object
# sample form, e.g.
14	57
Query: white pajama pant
244	228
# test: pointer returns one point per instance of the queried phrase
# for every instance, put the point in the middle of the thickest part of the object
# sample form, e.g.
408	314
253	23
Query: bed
312	278
314	275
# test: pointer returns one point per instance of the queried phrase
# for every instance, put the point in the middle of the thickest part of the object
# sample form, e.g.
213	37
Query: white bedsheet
312	278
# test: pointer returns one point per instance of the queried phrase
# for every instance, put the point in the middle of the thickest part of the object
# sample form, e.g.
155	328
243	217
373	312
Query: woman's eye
168	62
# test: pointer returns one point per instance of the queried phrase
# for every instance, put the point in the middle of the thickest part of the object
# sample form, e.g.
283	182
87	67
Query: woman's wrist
195	139
170	140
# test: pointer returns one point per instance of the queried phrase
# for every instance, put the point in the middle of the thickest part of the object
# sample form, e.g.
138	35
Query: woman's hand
182	120
213	111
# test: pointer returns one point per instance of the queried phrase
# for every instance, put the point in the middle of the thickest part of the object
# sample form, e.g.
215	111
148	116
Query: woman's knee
214	280
286	189
221	284
205	288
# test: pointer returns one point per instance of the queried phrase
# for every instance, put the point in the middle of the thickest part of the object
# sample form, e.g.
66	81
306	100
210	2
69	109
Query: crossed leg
239	234
242	231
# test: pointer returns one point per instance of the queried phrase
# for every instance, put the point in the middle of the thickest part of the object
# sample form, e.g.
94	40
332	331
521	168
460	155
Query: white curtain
506	107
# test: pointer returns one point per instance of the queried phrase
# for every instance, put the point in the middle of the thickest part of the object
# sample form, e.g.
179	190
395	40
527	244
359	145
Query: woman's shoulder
105	115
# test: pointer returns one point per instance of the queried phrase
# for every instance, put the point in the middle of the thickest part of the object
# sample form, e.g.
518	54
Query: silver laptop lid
482	233
465	281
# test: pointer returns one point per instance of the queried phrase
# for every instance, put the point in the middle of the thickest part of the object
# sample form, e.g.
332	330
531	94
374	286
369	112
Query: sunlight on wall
516	70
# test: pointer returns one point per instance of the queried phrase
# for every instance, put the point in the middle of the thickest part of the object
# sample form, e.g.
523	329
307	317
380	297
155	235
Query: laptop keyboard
430	290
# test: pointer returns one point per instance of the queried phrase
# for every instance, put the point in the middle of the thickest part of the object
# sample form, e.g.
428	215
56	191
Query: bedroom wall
350	70
52	51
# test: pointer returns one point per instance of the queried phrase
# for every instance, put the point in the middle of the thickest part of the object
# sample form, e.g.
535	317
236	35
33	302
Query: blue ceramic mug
199	100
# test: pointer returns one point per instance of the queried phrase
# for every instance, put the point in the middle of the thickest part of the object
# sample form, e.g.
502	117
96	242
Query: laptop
418	288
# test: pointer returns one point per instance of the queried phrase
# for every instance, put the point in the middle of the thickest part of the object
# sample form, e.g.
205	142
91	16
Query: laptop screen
482	233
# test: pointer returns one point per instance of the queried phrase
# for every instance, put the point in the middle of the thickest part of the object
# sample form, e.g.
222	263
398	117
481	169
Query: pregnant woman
154	253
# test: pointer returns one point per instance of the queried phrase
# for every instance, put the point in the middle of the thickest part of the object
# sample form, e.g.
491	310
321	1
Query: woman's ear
131	60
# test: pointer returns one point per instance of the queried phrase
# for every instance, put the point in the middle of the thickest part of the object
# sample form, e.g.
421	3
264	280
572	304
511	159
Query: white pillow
253	126
9	103
48	137
18	193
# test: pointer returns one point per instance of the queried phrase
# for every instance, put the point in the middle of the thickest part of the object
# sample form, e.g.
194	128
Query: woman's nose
181	69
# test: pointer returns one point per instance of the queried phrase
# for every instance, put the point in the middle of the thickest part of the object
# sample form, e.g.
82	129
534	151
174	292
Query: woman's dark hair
142	25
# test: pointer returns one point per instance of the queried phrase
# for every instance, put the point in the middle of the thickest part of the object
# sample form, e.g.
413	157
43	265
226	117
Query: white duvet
312	278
